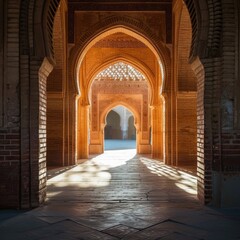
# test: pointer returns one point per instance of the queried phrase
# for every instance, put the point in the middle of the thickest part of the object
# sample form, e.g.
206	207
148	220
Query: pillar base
95	149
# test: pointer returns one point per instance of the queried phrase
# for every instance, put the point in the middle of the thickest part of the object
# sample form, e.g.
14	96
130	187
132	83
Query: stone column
83	130
38	135
157	132
124	134
124	123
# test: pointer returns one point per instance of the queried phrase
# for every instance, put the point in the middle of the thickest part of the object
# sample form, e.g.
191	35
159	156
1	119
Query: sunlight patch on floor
183	180
93	172
113	158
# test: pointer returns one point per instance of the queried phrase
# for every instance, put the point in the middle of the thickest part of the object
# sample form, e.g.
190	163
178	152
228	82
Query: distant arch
136	63
78	52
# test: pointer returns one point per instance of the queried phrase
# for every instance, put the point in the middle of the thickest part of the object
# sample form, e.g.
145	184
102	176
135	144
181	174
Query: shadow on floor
120	195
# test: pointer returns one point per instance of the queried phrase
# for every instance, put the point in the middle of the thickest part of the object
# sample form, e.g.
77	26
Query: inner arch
120	130
128	61
118	74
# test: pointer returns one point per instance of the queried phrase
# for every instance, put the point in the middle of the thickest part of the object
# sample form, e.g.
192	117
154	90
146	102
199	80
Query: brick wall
9	167
22	108
42	133
215	34
55	120
39	145
2	21
203	170
229	89
9	106
212	119
237	55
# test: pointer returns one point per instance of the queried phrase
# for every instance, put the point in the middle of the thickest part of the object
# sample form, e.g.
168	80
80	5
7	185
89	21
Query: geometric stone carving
120	71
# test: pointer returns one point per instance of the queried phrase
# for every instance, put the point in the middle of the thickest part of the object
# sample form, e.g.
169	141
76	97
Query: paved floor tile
119	195
120	231
67	228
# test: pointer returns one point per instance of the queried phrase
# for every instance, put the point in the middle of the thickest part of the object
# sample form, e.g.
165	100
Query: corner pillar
157	131
83	130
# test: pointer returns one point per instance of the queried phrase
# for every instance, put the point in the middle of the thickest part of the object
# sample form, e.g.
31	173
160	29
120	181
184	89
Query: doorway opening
119	132
164	142
119	90
111	73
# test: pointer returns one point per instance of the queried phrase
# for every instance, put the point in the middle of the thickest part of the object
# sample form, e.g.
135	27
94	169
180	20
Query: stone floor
119	195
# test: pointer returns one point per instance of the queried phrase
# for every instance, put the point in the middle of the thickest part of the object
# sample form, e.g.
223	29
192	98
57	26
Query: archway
84	43
206	58
113	128
154	75
157	101
119	130
119	84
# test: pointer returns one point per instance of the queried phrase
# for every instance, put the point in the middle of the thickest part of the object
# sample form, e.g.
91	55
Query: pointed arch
102	30
136	63
120	103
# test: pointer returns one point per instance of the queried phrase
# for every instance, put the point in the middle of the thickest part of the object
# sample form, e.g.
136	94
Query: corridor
120	195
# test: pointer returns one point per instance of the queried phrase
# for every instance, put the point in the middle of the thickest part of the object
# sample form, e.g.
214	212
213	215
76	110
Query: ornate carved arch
119	103
126	59
125	24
